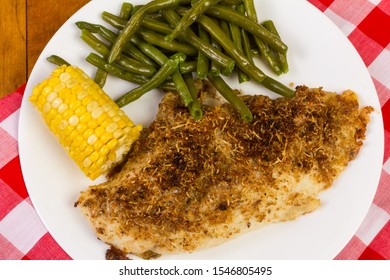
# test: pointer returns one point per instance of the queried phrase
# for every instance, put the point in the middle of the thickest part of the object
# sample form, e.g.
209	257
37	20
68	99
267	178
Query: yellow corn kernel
104	150
112	127
62	108
51	96
94	156
106	137
88	133
74	104
118	133
94	131
121	123
84	153
46	90
112	144
99	131
92	123
49	113
100	161
74	120
54	81
85	117
92	139
80	110
41	101
87	100
106	123
67	113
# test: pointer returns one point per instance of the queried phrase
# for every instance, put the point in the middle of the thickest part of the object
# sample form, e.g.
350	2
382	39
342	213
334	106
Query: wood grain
13	68
26	26
44	19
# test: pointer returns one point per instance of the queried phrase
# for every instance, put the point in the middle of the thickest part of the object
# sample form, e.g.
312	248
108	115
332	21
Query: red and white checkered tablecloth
367	25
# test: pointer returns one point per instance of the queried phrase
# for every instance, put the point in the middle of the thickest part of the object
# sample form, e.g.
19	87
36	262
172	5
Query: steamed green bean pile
168	43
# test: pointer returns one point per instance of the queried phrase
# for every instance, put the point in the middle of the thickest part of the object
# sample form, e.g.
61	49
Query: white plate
319	55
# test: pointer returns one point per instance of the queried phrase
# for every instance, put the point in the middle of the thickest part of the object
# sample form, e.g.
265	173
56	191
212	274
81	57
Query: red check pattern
365	22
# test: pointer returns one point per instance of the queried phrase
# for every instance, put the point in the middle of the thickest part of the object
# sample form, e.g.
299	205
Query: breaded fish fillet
191	184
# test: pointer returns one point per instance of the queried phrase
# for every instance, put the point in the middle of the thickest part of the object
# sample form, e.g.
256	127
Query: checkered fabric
365	22
22	234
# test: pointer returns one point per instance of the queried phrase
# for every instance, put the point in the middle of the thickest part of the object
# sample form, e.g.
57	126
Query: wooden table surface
25	28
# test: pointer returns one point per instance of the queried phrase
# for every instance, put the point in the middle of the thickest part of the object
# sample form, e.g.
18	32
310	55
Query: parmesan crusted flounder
191	184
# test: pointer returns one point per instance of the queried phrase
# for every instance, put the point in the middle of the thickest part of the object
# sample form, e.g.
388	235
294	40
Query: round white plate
319	55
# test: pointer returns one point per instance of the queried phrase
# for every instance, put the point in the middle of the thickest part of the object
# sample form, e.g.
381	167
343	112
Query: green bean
269	24
235	32
250	9
224	2
246	46
203	62
198	8
123	75
215	68
155	17
174	46
135	22
148	49
158	26
188	67
230	15
126	62
111	36
262	46
242	61
162	74
136	8
277	87
55	59
182	88
180	56
100	77
150	23
114	20
136	66
195	108
179	82
245	43
229	94
189	36
93	28
168	85
94	43
144	39
126	10
155	54
231	2
224	25
114	70
268	55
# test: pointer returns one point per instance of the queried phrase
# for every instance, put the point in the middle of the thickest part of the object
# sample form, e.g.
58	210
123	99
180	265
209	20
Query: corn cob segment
95	132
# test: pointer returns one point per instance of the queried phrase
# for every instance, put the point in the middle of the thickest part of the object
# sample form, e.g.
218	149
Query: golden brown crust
189	184
113	254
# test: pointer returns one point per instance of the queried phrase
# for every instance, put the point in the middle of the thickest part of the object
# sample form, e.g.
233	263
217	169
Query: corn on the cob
95	132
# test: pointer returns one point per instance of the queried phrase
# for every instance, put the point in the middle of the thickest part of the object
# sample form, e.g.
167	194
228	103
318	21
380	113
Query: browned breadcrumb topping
195	176
114	254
